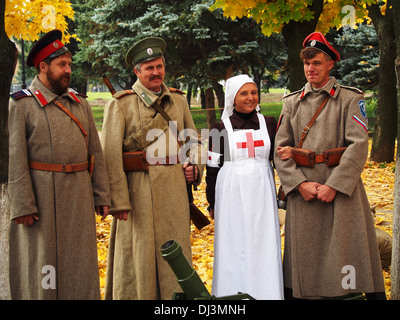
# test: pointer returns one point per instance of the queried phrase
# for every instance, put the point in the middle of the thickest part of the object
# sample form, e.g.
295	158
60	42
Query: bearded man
57	180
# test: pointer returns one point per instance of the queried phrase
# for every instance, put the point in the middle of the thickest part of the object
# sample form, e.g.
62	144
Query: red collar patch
40	97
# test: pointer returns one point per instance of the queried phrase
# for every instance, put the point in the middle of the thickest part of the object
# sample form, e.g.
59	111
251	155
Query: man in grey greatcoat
330	243
150	205
54	184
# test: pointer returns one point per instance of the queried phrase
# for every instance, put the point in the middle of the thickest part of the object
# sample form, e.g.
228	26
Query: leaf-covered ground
379	183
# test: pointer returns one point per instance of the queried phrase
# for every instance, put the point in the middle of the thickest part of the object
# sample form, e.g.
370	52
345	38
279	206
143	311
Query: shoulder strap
175	90
292	93
61	106
352	88
21	94
160	109
122	93
307	127
69	113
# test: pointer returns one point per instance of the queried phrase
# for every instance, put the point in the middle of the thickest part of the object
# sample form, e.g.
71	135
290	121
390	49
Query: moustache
155	77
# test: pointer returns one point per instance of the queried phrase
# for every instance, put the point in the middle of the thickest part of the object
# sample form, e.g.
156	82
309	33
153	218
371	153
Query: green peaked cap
145	50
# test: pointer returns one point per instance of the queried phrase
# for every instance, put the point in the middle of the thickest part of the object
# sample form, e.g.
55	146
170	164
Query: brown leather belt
320	158
67	168
162	161
138	161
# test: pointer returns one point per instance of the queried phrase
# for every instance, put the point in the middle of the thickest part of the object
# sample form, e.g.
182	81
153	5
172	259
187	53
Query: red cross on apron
250	144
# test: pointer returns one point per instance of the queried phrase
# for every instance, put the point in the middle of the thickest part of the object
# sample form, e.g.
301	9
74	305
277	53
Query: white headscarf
232	87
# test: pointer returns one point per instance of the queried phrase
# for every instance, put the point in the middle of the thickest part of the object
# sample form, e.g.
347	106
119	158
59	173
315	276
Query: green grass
98	95
200	116
271	109
98	116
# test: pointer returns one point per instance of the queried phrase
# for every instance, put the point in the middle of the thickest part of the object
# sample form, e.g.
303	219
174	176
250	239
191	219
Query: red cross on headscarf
250	144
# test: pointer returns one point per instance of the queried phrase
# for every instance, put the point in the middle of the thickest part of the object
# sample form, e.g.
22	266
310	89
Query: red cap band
318	41
47	51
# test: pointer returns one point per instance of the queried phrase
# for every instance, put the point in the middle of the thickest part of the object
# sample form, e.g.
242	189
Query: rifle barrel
108	84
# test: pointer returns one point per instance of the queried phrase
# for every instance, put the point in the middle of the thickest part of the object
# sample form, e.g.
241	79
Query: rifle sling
198	218
309	125
69	113
160	109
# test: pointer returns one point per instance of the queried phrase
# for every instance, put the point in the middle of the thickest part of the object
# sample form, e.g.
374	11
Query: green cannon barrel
188	279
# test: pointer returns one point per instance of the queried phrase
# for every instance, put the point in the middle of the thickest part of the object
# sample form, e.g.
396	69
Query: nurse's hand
102	211
212	214
27	220
121	215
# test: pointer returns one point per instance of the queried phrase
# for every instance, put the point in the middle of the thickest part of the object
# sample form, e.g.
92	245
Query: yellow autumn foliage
274	14
28	19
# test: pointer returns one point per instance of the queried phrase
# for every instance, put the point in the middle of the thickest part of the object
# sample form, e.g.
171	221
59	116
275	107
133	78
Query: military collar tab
302	93
40	97
332	88
332	91
146	98
73	94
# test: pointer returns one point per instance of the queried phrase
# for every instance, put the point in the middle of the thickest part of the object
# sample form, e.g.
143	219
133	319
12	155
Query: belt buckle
67	168
306	129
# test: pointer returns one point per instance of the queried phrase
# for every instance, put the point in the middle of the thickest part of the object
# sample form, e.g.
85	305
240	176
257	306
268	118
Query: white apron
247	243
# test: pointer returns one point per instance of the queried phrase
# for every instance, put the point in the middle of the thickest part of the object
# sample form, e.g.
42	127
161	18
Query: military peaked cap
145	50
318	41
48	46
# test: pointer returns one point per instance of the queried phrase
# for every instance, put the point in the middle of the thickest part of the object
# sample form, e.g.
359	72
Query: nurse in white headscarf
242	196
231	88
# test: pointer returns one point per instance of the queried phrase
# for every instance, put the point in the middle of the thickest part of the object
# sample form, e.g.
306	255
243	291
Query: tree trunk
210	104
385	132
219	92
4	223
203	99
395	268
189	94
8	58
294	34
257	76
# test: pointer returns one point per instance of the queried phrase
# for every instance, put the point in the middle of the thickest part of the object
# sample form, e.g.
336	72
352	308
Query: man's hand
102	211
27	220
121	215
308	190
284	153
326	193
191	172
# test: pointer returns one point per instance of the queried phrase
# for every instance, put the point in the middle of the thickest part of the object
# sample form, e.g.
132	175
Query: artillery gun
188	279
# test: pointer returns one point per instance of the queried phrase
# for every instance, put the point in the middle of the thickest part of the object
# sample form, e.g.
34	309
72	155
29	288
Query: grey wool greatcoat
156	200
56	257
330	248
